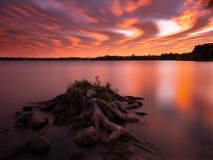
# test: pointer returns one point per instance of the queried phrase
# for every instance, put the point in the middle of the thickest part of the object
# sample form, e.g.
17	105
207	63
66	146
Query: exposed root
136	104
104	116
94	118
117	104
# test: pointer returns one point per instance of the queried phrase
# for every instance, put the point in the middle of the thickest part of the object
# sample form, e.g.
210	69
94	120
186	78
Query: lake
178	98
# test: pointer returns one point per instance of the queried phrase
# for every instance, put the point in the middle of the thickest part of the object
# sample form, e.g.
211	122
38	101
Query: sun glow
167	27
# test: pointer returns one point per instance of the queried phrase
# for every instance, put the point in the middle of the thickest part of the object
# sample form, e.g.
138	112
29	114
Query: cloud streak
63	28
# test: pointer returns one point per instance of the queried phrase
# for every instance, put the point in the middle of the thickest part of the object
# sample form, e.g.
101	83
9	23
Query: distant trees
202	52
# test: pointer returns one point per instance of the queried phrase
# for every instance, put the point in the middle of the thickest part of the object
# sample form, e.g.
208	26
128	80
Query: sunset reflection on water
185	86
178	98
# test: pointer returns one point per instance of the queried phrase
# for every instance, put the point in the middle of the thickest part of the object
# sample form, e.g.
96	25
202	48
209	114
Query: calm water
178	98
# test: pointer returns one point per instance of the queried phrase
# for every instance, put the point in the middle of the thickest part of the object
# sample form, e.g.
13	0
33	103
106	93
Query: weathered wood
119	106
94	120
103	115
134	105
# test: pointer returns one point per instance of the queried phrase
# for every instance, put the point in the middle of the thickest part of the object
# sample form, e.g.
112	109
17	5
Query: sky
91	28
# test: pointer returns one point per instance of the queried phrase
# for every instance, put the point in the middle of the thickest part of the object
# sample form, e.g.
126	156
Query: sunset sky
90	28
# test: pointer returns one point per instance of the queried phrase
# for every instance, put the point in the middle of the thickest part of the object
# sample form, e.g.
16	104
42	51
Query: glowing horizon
98	28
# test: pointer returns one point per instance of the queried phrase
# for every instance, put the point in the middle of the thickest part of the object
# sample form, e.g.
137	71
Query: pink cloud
47	27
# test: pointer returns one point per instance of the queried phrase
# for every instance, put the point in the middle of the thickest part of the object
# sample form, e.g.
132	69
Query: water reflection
167	83
184	86
178	98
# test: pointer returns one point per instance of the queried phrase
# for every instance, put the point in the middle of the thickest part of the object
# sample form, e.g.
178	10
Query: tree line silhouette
202	52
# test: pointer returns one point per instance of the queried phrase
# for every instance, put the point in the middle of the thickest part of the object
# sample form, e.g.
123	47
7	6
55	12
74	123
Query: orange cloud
75	41
132	6
118	9
187	20
205	29
134	32
112	27
127	23
57	43
99	37
190	15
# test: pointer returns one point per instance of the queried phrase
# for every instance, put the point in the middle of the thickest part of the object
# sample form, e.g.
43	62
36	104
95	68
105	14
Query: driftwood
104	117
96	114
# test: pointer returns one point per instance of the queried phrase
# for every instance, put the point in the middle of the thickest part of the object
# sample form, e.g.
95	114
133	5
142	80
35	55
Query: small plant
97	81
108	85
79	85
